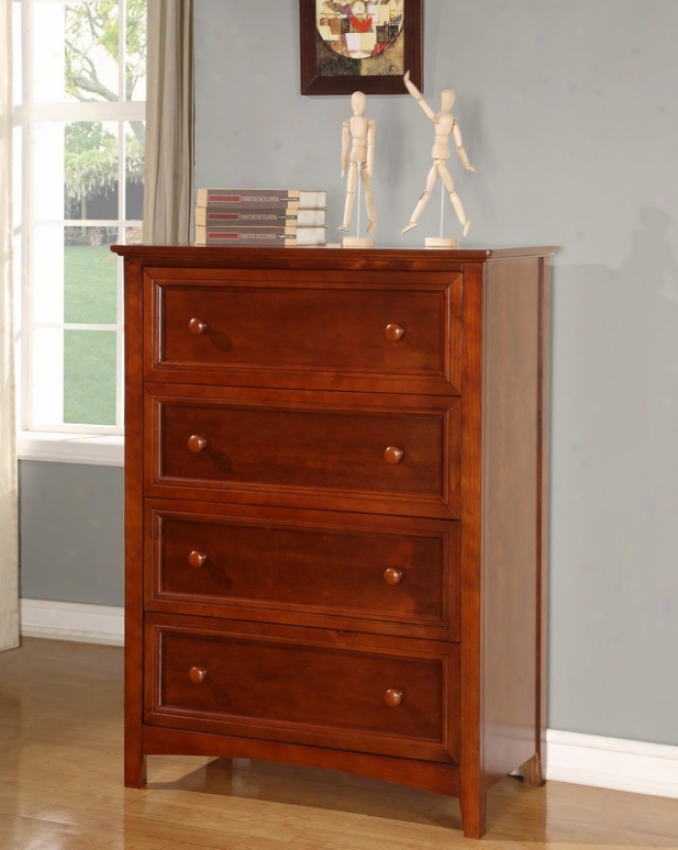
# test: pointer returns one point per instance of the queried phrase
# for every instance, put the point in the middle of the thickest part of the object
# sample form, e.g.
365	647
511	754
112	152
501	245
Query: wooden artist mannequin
357	157
445	125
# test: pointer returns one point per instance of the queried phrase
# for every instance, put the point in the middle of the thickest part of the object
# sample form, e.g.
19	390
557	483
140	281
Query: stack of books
261	217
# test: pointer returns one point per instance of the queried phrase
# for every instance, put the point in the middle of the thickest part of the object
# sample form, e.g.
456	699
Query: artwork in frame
360	45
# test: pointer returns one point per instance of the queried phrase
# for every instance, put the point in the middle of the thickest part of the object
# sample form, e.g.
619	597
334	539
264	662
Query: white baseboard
614	763
622	765
72	621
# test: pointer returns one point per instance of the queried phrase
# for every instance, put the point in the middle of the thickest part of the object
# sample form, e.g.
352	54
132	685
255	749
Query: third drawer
374	574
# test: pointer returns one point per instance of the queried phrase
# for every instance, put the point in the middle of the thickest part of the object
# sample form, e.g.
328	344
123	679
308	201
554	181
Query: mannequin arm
416	94
461	153
345	137
371	132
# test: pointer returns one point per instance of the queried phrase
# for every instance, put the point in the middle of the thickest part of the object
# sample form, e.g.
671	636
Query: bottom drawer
309	686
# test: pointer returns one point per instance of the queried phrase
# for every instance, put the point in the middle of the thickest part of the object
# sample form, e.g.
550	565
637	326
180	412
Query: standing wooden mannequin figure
357	156
445	125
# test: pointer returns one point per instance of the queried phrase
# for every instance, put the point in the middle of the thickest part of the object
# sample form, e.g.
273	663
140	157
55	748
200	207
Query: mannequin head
358	102
447	98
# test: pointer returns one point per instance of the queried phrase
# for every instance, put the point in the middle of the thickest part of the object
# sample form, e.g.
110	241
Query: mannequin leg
430	183
350	195
369	199
456	202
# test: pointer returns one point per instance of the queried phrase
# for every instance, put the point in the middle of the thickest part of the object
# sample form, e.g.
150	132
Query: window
80	133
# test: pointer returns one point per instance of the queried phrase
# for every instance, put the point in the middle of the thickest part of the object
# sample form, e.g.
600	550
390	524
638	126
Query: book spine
258	217
261	198
260	235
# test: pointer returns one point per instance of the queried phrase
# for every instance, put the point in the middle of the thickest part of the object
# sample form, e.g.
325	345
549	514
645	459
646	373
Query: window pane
75	277
134	170
85	188
47	391
90	278
91	54
91	161
48	169
135	54
48	274
89	377
48	52
76	169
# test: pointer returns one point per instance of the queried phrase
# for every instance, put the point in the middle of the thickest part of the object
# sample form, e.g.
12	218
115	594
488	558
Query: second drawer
388	454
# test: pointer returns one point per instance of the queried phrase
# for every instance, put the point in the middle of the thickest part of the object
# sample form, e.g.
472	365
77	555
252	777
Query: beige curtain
9	532
169	122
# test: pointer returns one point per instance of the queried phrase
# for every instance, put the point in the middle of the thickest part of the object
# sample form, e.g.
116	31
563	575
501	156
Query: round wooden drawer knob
394	332
393	454
197	326
197	558
197	675
393	576
393	697
196	443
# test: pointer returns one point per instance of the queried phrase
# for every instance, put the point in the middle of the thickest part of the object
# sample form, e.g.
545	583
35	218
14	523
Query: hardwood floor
61	786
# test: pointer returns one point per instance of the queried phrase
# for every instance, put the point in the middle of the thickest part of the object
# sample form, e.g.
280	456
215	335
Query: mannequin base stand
437	242
356	242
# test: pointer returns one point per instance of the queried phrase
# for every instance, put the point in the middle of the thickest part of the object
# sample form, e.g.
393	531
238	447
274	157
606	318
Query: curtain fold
9	531
169	123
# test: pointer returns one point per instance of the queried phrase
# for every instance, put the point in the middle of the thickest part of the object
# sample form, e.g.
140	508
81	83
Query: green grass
89	356
90	284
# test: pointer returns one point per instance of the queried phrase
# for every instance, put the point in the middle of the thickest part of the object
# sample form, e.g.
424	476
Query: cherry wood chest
336	477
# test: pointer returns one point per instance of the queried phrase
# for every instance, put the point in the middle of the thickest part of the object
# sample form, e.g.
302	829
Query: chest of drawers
336	476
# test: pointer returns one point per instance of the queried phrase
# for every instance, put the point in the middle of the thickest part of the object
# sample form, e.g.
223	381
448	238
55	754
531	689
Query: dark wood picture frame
345	74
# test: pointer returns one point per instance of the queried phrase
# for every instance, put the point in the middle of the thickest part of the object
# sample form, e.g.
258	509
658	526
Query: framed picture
360	45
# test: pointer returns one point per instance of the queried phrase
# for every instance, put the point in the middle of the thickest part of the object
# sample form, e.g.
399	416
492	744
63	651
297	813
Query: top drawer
395	331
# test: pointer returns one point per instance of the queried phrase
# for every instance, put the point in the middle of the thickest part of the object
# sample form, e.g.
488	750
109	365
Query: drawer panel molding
317	687
265	330
400	576
406	450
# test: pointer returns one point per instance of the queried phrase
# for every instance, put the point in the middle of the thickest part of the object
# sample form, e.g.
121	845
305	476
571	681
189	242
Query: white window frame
89	444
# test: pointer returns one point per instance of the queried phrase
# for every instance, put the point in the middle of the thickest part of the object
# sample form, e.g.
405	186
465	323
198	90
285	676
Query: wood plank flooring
61	786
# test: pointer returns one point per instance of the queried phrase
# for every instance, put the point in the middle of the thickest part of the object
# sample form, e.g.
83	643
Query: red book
257	216
282	235
264	198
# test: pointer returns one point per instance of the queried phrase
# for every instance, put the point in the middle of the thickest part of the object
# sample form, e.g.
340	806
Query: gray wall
570	114
71	519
